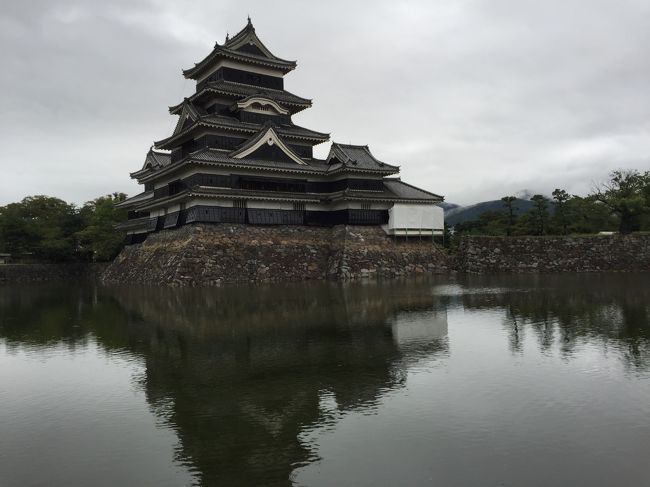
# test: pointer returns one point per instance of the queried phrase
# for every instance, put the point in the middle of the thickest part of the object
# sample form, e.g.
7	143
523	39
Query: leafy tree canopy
50	229
620	204
626	196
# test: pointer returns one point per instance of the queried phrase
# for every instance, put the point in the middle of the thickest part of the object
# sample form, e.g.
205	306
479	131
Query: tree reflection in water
610	310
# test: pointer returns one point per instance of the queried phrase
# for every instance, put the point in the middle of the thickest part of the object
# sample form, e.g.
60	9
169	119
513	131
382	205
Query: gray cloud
474	99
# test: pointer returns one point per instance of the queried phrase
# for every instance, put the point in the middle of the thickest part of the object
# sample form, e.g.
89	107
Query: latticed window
365	206
240	203
299	206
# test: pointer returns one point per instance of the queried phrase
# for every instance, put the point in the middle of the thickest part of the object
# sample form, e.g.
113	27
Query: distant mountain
525	194
448	206
460	214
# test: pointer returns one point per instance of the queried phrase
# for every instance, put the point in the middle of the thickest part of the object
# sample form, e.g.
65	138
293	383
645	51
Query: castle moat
525	379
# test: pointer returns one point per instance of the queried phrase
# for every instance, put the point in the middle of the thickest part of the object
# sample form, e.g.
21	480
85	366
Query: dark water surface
468	381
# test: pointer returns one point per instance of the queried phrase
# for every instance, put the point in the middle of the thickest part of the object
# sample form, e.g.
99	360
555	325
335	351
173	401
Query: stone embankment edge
214	254
554	254
64	272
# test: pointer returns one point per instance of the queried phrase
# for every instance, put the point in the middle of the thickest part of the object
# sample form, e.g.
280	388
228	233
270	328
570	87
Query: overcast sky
473	99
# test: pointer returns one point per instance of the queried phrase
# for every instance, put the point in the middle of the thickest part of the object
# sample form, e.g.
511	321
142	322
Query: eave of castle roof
284	98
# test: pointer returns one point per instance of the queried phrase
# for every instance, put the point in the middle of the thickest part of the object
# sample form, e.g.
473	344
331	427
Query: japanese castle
236	156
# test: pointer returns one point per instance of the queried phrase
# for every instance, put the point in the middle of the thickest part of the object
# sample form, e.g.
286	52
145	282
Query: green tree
40	225
625	195
562	215
99	240
589	215
508	202
448	239
489	222
645	219
539	214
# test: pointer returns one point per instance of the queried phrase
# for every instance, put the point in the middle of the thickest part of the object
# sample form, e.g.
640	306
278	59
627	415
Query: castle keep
236	156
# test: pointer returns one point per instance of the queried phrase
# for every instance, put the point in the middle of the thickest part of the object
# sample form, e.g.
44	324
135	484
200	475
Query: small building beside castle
236	156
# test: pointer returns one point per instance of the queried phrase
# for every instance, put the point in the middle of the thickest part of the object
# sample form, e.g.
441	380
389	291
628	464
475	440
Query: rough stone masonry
210	254
588	253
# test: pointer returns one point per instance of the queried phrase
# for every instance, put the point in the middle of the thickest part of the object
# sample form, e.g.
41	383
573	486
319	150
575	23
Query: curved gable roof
235	48
358	156
261	100
266	136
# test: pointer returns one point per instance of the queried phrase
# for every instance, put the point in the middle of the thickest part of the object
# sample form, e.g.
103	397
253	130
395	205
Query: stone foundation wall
208	254
27	273
368	251
554	254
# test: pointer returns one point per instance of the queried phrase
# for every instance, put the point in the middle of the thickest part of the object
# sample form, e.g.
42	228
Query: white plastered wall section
222	202
415	219
354	205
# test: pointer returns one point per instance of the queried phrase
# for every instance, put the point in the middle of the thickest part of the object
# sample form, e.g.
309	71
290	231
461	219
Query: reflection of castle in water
241	372
415	332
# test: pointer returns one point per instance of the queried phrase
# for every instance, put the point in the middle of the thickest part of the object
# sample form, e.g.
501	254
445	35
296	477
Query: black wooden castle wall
244	77
260	216
261	183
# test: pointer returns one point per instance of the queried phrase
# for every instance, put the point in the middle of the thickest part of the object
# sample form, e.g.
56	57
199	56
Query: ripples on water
521	380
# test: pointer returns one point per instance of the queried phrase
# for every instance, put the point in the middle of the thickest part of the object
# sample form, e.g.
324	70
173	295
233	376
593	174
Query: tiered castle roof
240	120
246	47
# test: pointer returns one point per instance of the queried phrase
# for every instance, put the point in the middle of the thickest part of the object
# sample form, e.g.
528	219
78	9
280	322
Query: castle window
299	206
366	206
240	204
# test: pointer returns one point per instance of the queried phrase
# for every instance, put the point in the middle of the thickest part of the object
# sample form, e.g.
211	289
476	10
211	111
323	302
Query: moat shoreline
204	255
